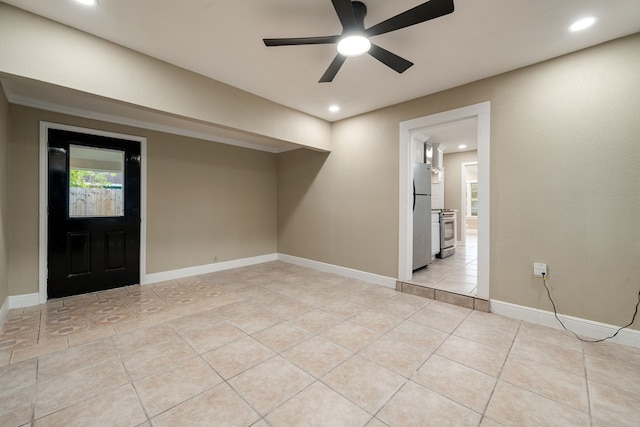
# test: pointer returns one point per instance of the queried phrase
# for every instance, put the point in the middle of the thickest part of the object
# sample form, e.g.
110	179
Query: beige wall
205	200
341	208
565	183
347	211
453	182
208	200
38	49
4	222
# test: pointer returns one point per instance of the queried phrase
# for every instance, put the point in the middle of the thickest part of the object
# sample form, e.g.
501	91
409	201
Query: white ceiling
222	39
453	137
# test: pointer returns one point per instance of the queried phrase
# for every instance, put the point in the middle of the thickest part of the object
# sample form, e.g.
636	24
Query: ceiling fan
354	40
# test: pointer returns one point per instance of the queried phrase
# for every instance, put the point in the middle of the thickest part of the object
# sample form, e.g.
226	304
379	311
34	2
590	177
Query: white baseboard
4	311
583	327
389	282
26	300
341	271
205	269
303	262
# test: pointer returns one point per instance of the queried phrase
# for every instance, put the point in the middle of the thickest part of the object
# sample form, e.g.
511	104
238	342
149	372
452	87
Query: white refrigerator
421	215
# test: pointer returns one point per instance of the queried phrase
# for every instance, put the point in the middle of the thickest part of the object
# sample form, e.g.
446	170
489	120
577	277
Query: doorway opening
92	210
469	203
481	114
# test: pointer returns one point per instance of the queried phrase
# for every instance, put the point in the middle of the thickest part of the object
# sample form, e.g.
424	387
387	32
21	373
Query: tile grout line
319	380
35	392
501	370
224	380
586	380
33	419
433	353
133	385
538	394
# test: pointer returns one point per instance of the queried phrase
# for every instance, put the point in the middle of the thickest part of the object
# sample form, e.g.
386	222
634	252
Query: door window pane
96	182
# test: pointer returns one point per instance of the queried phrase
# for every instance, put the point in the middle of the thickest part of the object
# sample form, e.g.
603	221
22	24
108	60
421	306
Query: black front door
94	213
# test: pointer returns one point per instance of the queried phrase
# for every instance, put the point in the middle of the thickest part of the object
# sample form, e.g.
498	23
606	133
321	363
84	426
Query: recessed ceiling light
334	108
461	146
582	24
355	45
87	2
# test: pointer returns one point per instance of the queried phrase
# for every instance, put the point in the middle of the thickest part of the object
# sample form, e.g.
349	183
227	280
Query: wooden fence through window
95	202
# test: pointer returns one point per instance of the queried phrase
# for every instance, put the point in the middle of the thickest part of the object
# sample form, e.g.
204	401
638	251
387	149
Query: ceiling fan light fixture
353	40
354	45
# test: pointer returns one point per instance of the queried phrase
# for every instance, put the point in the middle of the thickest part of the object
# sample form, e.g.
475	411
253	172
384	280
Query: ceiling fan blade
421	13
389	59
333	69
301	40
344	10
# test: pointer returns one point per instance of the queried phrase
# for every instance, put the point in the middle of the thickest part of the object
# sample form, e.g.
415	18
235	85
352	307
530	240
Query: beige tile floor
457	273
280	345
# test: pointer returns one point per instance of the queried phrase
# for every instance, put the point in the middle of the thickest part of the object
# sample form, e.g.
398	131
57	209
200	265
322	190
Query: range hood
432	153
437	162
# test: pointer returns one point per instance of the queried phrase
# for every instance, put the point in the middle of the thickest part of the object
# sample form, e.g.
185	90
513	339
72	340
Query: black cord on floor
555	313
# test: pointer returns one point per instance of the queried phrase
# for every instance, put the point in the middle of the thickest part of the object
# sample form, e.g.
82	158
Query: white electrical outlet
539	269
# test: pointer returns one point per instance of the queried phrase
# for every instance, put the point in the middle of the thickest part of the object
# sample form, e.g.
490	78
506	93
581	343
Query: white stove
447	233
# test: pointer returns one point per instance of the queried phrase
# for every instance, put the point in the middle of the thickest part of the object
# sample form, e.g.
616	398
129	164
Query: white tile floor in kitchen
280	345
457	273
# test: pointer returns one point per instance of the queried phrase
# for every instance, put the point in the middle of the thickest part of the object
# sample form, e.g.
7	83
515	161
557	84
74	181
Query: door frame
481	111
44	197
